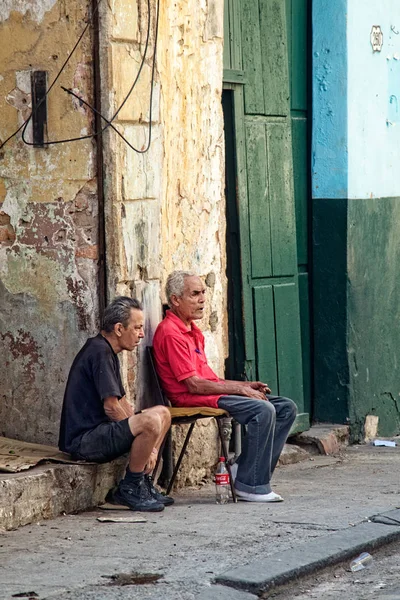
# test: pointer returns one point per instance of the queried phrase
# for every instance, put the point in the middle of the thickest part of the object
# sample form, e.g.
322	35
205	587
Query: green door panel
265	336
265	57
280	171
252	58
274	50
288	342
258	198
232	36
227	38
269	189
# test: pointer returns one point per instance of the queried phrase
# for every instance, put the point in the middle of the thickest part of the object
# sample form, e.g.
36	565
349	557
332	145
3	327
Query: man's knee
148	422
289	409
266	410
165	416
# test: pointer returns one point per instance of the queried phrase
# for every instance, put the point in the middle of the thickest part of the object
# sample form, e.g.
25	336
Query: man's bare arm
255	385
117	410
198	385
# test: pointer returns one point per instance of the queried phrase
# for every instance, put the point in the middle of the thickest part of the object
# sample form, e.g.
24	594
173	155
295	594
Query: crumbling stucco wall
165	208
48	217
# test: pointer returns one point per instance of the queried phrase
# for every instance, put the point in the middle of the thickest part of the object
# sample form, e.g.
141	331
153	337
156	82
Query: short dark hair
119	311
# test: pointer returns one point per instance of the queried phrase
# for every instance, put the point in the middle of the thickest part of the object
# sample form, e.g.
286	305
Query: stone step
324	438
46	491
292	453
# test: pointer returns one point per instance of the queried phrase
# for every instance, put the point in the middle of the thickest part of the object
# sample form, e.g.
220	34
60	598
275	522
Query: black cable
142	63
109	122
25	124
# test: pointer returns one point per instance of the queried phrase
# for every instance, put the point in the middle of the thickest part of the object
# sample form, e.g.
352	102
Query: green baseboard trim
302	423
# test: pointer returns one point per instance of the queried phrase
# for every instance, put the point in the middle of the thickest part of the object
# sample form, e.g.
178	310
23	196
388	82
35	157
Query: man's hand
151	463
250	392
259	385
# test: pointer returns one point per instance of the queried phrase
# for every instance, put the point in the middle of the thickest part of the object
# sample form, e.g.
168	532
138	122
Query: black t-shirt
94	376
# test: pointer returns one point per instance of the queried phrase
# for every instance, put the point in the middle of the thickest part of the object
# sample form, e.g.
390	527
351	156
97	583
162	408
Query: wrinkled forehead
194	284
136	317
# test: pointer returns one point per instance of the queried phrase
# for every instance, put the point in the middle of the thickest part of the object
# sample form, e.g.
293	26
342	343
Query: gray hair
176	284
119	311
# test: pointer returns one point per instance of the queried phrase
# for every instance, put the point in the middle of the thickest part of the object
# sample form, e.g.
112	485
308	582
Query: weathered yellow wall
48	217
165	209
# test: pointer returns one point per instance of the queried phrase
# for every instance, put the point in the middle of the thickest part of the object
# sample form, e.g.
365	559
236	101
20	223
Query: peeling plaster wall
193	212
356	214
165	208
48	217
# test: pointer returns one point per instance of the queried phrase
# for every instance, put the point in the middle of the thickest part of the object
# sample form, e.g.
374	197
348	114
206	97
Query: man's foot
166	500
137	497
247	497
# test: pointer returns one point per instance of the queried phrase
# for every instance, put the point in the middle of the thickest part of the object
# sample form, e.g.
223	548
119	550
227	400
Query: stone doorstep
46	491
291	454
264	574
324	438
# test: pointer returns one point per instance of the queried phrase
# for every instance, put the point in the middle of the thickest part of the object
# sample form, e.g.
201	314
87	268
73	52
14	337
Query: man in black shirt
98	423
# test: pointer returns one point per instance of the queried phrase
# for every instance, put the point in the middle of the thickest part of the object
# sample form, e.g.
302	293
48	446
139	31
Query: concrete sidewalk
194	542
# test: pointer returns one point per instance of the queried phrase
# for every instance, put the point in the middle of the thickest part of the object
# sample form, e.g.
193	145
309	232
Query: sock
131	477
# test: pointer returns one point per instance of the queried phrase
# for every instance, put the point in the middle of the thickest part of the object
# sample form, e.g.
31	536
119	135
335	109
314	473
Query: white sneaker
247	497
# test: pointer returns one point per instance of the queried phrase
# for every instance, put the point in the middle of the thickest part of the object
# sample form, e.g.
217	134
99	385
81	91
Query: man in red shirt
188	380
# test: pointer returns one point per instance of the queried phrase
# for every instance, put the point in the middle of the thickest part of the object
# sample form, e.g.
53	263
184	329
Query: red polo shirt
179	354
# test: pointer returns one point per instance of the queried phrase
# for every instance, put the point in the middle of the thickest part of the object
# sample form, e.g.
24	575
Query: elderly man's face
190	306
129	337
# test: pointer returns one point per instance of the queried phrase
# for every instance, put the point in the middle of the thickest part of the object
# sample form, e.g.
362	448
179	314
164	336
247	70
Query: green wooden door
257	76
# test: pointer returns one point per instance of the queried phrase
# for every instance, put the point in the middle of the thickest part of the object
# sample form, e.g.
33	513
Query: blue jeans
268	425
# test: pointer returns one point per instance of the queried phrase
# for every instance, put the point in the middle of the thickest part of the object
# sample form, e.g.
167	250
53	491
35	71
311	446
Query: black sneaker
137	497
166	500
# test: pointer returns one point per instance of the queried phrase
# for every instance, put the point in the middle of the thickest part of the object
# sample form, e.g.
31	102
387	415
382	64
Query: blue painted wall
329	135
356	213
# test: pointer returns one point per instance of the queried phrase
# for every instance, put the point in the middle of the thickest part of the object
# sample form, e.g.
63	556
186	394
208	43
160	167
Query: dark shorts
105	442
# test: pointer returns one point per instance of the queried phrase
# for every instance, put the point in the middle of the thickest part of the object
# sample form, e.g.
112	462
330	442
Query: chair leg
178	464
225	453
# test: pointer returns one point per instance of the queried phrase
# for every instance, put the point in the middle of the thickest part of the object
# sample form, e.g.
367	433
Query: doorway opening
234	365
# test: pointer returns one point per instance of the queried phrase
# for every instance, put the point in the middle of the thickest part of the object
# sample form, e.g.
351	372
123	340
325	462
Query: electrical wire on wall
26	122
109	123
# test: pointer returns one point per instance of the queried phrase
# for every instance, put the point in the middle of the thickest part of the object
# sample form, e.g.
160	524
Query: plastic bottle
361	562
222	486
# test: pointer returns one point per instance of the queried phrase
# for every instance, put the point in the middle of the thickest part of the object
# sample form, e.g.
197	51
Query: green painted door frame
260	150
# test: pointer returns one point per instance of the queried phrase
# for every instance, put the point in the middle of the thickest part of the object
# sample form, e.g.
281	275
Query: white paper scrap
387	443
122	520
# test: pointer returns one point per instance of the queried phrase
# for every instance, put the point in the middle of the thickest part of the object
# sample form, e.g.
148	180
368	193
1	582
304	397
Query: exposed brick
7	234
87	252
329	444
4	218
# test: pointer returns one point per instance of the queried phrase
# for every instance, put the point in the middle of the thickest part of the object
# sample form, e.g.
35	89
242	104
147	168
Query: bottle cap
222	459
